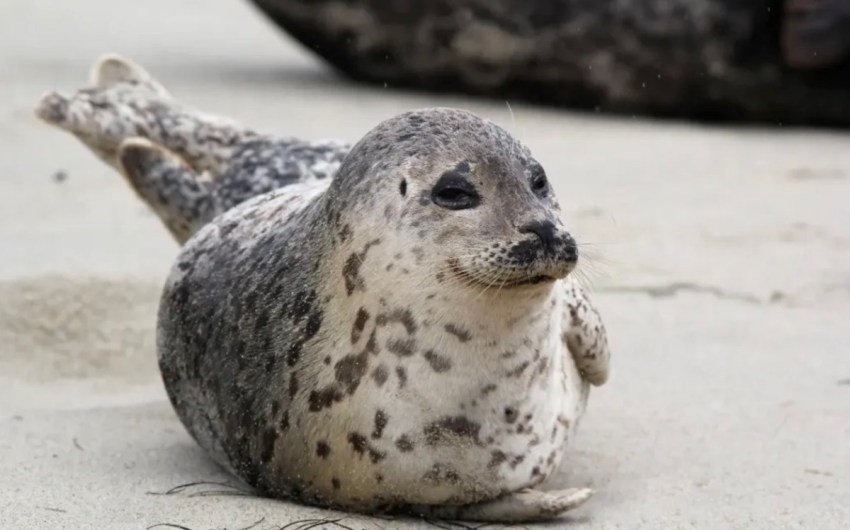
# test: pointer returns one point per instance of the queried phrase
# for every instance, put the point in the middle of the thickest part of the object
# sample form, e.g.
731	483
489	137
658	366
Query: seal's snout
552	242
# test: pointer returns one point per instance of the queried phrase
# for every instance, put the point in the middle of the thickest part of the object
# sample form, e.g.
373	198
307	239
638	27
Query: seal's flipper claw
112	69
524	506
169	185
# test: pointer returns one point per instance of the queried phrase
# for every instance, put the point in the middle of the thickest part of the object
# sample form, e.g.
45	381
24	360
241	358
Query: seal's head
467	191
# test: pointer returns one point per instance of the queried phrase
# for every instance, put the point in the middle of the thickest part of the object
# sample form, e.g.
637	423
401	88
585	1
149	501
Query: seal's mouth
517	280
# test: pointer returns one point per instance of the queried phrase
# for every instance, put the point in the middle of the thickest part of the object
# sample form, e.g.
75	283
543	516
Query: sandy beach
719	257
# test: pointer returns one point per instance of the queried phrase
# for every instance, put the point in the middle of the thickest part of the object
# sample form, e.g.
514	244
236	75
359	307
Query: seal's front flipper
524	506
184	202
584	335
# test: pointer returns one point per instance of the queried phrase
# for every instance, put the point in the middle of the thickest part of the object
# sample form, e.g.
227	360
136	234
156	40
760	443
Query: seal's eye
455	192
539	183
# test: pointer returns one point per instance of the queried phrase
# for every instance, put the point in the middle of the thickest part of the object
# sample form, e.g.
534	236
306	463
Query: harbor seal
402	337
771	61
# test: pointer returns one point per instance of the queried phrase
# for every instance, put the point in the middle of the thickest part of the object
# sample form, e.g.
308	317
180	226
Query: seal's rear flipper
112	69
123	101
524	506
170	187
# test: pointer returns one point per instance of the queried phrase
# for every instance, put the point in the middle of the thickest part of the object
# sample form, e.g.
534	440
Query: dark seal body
705	59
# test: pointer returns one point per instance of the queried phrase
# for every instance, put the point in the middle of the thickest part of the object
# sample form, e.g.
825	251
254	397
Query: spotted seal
401	335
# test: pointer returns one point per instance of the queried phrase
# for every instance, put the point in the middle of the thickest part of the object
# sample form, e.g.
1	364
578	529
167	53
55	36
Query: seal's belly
426	437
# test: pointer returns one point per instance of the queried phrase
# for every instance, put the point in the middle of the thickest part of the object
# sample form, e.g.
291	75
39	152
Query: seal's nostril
544	230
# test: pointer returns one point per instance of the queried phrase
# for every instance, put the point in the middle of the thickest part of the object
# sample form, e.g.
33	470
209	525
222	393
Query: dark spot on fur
438	363
516	372
402	316
380	375
488	389
359	324
351	269
360	445
440	473
293	385
371	344
403	347
496	459
324	398
268	441
275	407
335	483
511	414
461	334
350	273
451	427
358	442
323	449
284	421
402	187
404	444
345	233
327	359
314	324
542	365
293	353
402	376
350	369
381	420
301	305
